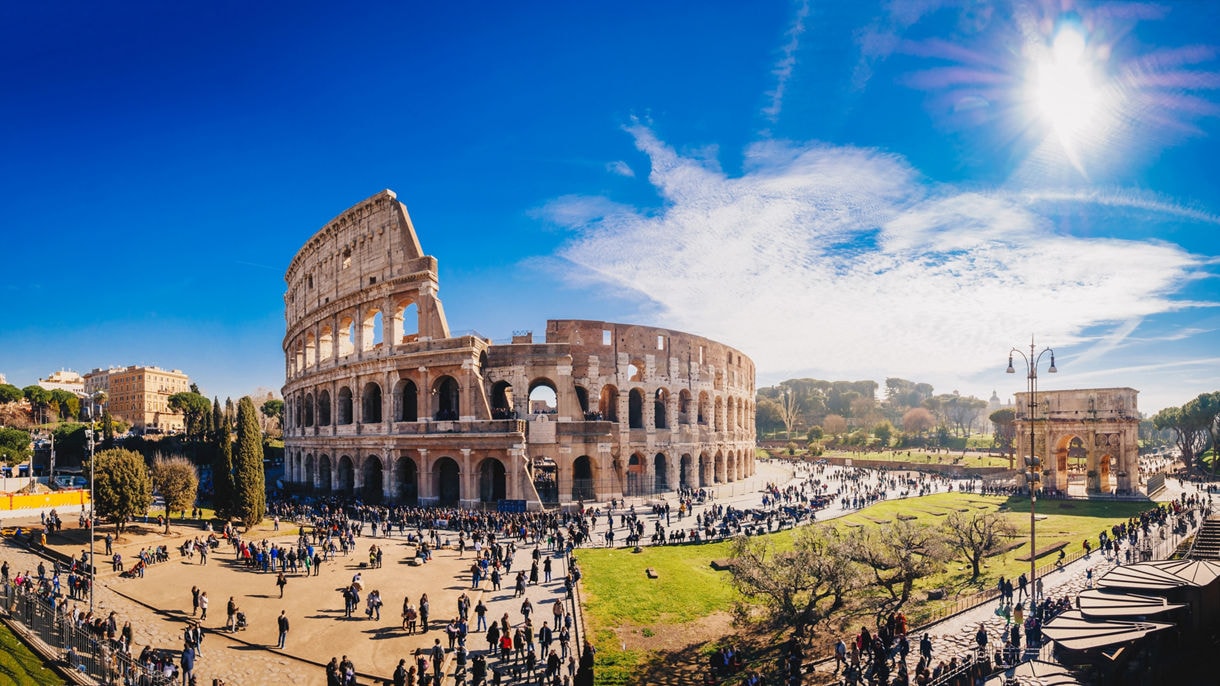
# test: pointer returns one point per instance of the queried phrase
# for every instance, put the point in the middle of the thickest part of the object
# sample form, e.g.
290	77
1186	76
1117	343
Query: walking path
159	604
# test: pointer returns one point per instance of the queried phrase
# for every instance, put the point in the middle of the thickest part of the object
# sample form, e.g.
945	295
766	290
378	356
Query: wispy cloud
621	168
787	62
849	258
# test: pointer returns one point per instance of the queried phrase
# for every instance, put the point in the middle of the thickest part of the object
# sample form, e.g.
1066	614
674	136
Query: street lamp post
92	506
1032	463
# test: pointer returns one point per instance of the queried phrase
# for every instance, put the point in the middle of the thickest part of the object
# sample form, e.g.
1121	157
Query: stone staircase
1207	541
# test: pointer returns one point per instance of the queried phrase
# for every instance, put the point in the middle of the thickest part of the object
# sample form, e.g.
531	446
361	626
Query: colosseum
385	404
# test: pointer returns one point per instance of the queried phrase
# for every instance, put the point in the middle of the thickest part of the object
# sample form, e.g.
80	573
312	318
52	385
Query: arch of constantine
383	402
1090	436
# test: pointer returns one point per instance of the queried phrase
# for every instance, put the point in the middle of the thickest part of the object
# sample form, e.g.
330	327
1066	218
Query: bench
651	573
1044	551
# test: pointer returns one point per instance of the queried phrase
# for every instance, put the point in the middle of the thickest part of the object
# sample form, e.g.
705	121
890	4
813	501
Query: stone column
467	479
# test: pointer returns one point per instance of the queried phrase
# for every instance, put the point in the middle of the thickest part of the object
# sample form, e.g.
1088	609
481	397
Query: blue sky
841	190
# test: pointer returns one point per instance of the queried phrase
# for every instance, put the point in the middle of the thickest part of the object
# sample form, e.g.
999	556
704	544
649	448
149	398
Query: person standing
283	626
194	600
281	581
188	665
203	605
438	657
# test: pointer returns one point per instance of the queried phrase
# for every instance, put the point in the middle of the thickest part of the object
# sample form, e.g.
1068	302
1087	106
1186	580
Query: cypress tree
107	429
222	470
249	484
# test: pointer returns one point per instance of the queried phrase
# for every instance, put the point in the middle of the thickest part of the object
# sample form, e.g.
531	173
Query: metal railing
84	647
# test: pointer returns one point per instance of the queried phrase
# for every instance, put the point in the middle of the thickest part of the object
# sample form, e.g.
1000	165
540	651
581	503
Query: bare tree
899	554
176	482
800	586
918	420
975	535
789	410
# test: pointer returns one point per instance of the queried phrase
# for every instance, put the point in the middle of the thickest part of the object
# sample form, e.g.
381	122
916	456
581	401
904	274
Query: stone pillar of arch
425	477
563	475
468	481
513	475
567	406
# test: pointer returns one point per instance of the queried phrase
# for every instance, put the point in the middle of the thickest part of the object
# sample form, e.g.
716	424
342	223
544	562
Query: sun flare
1067	91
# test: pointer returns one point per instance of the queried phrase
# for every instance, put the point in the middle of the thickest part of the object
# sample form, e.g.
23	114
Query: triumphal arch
1088	436
384	402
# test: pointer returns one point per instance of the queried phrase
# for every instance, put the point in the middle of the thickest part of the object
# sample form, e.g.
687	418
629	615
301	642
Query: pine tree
222	470
107	429
249	484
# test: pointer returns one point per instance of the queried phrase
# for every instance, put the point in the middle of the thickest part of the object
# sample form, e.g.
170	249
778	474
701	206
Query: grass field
620	596
21	667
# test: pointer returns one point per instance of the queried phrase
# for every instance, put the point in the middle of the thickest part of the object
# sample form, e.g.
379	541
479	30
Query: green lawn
920	457
21	667
618	593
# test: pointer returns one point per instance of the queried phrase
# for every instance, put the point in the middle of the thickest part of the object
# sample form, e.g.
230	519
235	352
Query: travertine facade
1093	434
383	402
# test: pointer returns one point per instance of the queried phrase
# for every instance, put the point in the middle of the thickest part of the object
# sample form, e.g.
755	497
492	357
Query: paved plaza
159	604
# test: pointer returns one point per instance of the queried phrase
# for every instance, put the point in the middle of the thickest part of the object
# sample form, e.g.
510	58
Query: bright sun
1065	89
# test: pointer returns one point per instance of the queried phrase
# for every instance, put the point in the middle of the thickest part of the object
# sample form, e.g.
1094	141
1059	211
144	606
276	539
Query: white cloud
621	168
787	61
843	258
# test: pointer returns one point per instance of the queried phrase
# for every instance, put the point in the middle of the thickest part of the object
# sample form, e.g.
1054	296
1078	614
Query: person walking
281	581
283	626
203	605
438	657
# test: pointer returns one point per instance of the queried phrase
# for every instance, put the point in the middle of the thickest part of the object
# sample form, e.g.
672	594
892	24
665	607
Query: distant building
3	379
139	395
64	380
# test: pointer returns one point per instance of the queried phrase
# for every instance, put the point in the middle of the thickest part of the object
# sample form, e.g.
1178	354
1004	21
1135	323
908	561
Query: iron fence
83	646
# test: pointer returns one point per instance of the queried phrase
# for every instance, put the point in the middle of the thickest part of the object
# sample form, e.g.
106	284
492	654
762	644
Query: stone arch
408	480
347	336
309	409
309	469
1071	455
607	403
311	350
372	486
345	476
344	409
635	409
584	479
324	407
635	370
492	481
1105	473
634	475
371	328
684	471
406	322
501	400
370	403
407	401
703	409
660	471
684	407
660	406
326	480
543	397
447	481
705	470
718	473
582	399
446	399
326	344
730	466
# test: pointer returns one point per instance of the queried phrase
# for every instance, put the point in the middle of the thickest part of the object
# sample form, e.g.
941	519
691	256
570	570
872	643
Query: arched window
324	408
684	407
607	405
326	344
371	329
543	399
408	401
635	409
311	350
659	407
309	409
345	406
347	336
635	370
370	403
408	322
447	398
501	400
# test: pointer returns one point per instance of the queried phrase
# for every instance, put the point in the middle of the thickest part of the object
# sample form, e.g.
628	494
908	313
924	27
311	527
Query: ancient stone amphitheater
385	404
